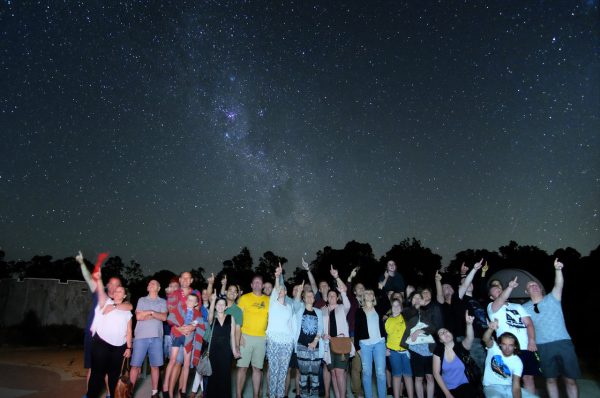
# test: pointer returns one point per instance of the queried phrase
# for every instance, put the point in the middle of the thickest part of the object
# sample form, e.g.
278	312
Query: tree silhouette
240	271
133	272
267	264
113	267
40	267
354	254
416	263
199	282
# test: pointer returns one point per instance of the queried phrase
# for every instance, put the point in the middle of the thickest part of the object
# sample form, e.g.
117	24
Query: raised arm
487	336
559	280
311	278
462	289
503	298
97	276
384	281
224	285
469	332
85	272
439	294
211	282
336	277
352	274
298	296
278	277
345	301
211	309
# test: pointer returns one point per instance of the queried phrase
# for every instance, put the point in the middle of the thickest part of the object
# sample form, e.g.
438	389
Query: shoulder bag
124	388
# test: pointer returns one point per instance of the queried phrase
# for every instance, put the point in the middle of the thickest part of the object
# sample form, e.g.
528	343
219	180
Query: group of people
420	341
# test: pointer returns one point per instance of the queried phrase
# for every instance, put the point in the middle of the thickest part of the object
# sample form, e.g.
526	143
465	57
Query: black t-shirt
454	316
332	324
308	327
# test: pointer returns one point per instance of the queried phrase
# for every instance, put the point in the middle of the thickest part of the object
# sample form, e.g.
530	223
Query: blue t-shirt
549	321
189	316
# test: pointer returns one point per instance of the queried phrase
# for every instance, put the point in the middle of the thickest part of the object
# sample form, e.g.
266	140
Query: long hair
371	292
512	336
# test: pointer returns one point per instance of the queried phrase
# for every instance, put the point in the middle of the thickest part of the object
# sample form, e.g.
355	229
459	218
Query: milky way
177	133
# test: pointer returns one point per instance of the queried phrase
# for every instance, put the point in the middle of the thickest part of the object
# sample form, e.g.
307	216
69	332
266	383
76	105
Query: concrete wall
53	302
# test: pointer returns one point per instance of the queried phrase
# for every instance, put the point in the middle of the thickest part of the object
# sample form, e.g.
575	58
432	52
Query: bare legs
419	386
529	383
570	385
408	382
327	381
338	376
241	381
430	385
397	386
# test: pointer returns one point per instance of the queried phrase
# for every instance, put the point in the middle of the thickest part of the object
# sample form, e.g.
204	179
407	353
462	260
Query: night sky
174	134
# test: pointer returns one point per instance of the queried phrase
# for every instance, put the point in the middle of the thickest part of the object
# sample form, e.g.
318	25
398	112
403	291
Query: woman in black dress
222	350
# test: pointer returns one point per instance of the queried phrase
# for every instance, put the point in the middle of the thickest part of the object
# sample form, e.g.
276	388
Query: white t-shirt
500	369
510	319
282	322
111	327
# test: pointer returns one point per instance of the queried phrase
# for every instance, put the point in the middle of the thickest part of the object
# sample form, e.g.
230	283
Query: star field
176	133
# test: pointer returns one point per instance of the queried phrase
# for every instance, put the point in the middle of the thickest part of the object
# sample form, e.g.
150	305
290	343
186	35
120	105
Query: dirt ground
41	372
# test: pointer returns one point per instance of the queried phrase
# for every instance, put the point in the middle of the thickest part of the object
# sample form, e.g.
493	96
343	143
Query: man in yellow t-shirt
255	309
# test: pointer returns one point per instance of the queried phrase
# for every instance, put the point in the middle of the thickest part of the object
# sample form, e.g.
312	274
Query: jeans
373	353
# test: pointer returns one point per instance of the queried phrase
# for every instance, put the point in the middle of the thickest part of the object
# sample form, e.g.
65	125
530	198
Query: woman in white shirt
280	337
111	340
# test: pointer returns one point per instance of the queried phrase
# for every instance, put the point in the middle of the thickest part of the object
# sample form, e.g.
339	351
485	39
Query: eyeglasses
536	309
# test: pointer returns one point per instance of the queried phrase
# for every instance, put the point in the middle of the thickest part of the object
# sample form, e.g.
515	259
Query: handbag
340	345
124	388
204	367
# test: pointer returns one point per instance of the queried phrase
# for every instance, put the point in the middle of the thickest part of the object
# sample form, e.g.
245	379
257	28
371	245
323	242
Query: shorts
338	361
421	365
168	343
400	363
558	358
531	364
253	352
178	341
151	346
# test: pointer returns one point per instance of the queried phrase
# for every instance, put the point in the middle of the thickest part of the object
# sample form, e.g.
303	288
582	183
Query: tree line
417	263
